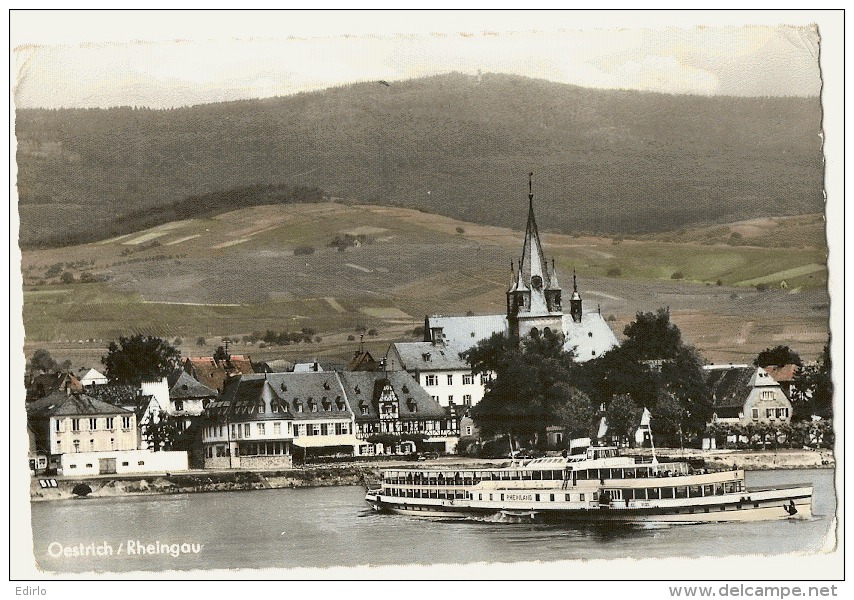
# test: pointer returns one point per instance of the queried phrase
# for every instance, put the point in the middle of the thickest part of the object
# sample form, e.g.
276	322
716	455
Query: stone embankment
368	474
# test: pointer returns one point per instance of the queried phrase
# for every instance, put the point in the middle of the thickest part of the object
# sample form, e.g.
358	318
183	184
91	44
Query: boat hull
786	504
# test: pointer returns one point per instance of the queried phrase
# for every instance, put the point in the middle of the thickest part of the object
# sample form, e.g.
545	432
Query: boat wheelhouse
599	485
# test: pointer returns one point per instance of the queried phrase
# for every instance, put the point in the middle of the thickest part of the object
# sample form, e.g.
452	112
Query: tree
42	362
651	336
200	341
160	431
517	400
220	354
573	410
814	389
139	358
622	416
778	356
684	378
67	277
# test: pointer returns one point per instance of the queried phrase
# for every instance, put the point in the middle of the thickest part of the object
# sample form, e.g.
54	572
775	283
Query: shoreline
365	473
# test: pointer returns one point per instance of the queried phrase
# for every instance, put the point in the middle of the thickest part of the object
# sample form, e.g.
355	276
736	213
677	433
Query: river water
333	526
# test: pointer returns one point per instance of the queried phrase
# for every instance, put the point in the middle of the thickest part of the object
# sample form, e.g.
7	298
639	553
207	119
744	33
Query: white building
93	377
439	369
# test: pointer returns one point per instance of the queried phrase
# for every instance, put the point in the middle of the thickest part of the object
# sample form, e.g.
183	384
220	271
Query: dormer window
284	387
326	404
326	385
405	389
426	357
339	403
357	390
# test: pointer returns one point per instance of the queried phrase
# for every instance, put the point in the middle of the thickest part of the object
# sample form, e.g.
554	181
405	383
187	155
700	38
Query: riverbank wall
368	474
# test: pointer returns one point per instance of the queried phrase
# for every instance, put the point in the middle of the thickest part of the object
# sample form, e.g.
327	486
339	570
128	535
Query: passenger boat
599	485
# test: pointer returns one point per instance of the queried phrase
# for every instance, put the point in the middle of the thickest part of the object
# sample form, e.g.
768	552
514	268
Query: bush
177	341
81	490
200	341
761	287
418	331
678	275
719	283
614	272
67	277
351	338
373	332
303	250
611	318
460	230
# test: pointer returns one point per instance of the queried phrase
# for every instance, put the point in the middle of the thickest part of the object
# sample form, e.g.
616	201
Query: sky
156	71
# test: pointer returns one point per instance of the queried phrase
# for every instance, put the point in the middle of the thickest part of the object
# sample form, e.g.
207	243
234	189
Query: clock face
536	282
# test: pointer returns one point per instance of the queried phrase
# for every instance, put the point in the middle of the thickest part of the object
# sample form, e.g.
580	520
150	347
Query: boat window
617	473
536	497
667	492
527	474
719	489
708	490
695	491
551	497
681	492
566	497
652	494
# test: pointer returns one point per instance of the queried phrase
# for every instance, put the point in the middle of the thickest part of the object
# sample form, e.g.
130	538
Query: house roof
364	388
273	396
783	374
183	386
426	356
731	385
362	361
214	373
44	384
60	404
278	365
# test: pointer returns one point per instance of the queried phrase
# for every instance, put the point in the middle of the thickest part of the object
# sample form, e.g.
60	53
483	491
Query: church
534	305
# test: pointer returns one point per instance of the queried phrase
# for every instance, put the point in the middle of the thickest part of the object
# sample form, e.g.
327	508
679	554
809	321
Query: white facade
93	377
122	462
158	389
93	433
448	387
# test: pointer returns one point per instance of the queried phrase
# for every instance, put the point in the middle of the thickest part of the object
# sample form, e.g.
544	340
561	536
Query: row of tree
537	384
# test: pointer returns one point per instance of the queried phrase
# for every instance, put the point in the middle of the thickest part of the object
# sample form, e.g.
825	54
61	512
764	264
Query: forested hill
604	161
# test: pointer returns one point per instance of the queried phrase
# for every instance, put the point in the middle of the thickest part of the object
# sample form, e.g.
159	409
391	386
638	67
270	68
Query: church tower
534	297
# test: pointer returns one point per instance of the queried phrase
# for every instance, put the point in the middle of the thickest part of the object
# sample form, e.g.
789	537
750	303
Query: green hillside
604	161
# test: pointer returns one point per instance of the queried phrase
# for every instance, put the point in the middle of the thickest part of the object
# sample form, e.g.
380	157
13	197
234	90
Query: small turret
575	300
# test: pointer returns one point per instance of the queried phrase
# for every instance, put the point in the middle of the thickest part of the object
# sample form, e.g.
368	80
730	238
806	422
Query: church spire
533	263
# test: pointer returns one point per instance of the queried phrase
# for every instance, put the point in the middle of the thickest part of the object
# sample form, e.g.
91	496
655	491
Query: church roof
591	338
466	331
427	356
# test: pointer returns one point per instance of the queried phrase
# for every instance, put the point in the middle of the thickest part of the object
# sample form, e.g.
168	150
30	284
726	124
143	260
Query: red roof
782	374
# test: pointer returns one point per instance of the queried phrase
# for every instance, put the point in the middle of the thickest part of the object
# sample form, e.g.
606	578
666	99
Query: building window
246	430
755	414
111	422
450	399
782	413
76	445
58	424
430	380
93	424
364	409
467	400
450	379
125	422
484	379
179	405
436	398
75	424
316	428
112	443
140	463
468	379
91	445
277	428
261	429
468	430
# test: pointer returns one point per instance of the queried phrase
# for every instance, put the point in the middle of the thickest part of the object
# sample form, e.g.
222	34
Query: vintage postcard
424	295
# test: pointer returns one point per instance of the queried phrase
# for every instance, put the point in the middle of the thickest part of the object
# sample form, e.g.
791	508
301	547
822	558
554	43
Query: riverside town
396	310
531	383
